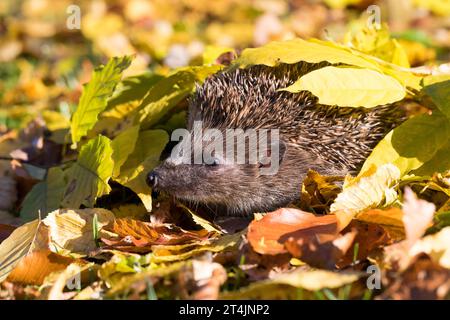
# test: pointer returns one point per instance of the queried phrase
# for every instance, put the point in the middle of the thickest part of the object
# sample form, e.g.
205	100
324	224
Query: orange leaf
144	234
268	235
35	266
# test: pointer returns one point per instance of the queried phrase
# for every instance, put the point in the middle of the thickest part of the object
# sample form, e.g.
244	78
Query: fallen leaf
268	235
71	231
36	265
318	191
320	254
371	189
142	234
390	219
17	246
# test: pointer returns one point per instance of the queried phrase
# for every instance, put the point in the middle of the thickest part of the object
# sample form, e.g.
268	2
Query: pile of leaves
93	230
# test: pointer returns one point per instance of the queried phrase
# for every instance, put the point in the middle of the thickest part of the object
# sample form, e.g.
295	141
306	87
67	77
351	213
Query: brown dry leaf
35	266
268	235
319	254
72	231
143	234
318	191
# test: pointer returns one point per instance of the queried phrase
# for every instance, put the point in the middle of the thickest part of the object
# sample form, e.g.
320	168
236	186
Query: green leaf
88	177
296	50
133	88
45	196
16	246
440	162
168	92
440	94
144	158
350	87
123	146
94	97
411	144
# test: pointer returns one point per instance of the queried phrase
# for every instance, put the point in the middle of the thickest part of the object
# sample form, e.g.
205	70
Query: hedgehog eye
214	162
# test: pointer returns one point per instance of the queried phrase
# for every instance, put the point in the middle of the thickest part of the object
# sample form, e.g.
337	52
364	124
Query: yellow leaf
350	87
296	50
365	192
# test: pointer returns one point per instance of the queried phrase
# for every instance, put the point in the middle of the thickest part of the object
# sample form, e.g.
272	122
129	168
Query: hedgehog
328	139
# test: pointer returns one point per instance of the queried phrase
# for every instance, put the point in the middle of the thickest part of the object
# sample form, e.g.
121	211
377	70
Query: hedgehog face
237	188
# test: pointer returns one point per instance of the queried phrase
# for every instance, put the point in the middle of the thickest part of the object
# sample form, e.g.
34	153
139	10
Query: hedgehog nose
152	179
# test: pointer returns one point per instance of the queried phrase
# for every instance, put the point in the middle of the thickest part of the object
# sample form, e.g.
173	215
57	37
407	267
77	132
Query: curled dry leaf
72	231
268	235
318	191
371	189
143	234
72	278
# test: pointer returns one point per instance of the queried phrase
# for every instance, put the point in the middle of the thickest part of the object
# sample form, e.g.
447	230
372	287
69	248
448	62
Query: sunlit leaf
145	157
17	246
71	231
168	92
95	96
269	234
123	145
372	189
350	87
88	178
411	144
35	266
293	51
